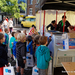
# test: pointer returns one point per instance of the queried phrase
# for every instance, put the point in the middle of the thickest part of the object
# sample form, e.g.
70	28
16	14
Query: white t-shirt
10	23
5	23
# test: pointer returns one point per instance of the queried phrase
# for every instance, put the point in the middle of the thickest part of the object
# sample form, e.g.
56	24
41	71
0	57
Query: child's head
49	37
24	31
36	39
21	37
29	38
6	30
33	35
13	34
43	40
2	38
18	31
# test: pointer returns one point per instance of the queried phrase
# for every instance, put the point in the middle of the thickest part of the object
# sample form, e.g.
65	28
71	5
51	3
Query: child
3	53
29	46
10	23
20	53
12	39
36	40
33	44
24	31
18	31
43	56
14	44
6	38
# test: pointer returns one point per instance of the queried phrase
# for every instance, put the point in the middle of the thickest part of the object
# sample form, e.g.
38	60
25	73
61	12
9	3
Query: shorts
21	64
43	71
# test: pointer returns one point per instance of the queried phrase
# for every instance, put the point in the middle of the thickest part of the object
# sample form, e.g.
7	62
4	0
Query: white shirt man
10	23
5	24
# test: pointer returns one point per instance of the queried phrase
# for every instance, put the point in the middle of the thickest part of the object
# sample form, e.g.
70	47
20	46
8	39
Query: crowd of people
7	23
20	44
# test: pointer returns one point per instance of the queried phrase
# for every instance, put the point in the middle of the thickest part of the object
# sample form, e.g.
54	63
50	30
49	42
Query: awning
56	5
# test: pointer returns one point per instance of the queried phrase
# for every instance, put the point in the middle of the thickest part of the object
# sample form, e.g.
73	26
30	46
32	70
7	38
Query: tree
12	7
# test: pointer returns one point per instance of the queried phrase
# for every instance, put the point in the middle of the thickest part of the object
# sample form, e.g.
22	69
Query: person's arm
28	46
5	39
47	56
23	54
12	22
36	54
48	26
14	49
69	25
1	59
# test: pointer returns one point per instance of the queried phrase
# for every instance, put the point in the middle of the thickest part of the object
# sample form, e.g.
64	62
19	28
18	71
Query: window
31	11
37	1
24	19
32	19
0	18
28	19
31	1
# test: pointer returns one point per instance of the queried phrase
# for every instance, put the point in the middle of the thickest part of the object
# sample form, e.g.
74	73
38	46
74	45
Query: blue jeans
5	26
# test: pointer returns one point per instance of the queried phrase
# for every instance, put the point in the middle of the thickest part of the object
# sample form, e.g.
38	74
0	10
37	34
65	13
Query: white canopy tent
51	15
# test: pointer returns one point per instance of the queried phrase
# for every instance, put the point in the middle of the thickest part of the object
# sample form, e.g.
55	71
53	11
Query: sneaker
18	73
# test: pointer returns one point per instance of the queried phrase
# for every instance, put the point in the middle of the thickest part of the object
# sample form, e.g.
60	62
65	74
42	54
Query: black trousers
10	29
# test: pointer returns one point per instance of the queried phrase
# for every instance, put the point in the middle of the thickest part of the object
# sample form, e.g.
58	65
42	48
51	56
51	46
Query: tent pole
40	22
64	22
56	19
44	23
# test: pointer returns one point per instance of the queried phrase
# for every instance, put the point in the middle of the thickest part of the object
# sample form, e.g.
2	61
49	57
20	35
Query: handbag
35	71
8	70
29	59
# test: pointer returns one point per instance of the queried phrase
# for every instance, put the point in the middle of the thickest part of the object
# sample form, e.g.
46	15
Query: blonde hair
20	36
15	35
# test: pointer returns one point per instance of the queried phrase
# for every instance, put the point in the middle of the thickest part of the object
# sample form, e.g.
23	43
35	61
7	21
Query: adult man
10	23
5	24
61	23
52	25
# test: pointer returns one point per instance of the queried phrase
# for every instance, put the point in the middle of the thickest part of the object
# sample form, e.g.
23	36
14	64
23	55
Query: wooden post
44	23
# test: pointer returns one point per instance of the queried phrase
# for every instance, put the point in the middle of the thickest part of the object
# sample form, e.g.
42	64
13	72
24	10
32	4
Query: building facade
31	7
22	12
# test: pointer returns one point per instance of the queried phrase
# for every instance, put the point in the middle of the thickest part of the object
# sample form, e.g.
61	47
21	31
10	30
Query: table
69	68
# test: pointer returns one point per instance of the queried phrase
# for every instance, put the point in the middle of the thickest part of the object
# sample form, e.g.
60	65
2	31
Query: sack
1	71
50	68
35	71
29	60
8	70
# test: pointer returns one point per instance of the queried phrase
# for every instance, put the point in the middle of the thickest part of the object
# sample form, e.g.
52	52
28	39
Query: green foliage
12	7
